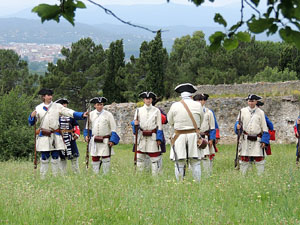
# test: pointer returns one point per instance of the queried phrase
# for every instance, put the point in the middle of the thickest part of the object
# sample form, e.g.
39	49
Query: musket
35	160
298	155
236	161
88	141
136	127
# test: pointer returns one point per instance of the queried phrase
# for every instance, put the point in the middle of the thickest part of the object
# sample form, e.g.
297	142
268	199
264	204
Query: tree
79	75
16	137
280	16
152	65
13	71
289	59
114	75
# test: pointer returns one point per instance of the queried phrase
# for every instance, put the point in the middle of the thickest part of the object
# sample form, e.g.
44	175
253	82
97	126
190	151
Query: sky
13	6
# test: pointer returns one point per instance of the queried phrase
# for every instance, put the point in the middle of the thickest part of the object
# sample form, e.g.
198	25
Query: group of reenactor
196	133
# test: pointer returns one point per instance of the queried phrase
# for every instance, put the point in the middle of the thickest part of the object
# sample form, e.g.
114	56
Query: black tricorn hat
199	97
98	100
259	103
62	101
253	97
45	91
147	94
187	87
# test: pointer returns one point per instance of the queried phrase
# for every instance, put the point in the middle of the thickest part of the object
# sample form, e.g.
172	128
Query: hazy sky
12	6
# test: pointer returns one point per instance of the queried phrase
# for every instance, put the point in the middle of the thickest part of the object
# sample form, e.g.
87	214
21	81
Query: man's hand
238	126
86	139
110	144
262	145
158	142
210	143
85	114
33	114
136	122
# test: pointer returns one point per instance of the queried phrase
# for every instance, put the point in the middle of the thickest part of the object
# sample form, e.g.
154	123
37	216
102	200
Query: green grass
126	197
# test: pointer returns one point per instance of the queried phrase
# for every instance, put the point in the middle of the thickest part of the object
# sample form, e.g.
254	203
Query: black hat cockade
253	97
98	100
45	91
147	94
187	87
259	103
62	101
200	97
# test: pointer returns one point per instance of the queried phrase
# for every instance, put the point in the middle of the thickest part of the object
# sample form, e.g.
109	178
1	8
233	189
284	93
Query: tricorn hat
147	94
98	100
199	97
187	87
45	91
259	103
253	97
62	101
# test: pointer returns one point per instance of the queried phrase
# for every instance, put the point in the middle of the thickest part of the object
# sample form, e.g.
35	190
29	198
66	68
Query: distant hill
33	31
177	20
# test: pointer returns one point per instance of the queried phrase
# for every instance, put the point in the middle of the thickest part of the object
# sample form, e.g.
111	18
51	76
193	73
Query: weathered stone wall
282	111
279	88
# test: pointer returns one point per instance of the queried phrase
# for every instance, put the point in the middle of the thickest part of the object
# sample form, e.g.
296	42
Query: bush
274	75
16	136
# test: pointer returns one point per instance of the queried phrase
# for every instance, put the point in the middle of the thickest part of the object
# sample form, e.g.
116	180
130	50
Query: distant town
34	52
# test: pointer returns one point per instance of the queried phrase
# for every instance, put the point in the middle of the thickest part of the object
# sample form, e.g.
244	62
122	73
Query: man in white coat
150	135
101	127
184	141
49	140
208	130
255	136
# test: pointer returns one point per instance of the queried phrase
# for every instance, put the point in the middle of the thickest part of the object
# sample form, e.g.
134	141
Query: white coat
50	120
102	124
186	144
254	123
149	118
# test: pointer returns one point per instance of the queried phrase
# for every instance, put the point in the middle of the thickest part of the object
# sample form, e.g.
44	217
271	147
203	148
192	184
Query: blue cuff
212	134
269	123
85	132
31	120
235	125
265	138
78	115
160	135
114	138
133	126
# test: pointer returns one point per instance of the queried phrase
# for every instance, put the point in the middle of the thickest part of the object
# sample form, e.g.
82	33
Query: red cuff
217	133
76	130
163	119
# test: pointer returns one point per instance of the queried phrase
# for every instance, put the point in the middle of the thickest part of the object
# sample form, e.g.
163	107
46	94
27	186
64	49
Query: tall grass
127	197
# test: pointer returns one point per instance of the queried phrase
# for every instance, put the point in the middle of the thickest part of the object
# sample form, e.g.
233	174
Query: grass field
126	197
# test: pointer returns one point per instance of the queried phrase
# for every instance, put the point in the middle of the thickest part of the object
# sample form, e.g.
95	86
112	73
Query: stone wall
282	111
279	88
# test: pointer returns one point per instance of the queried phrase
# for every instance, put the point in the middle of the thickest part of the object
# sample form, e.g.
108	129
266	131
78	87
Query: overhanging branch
109	12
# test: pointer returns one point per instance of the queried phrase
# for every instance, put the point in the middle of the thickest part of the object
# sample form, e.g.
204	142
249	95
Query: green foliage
66	8
16	137
114	75
273	75
14	73
79	76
